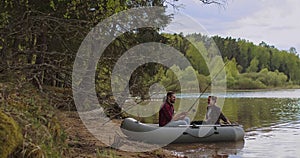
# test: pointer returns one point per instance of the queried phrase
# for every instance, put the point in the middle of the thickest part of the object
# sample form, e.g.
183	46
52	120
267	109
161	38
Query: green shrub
231	82
247	83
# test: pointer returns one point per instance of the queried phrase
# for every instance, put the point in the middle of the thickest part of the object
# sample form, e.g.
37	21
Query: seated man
214	114
166	113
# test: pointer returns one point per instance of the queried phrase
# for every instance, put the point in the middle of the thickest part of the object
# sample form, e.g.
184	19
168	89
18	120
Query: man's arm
222	116
180	116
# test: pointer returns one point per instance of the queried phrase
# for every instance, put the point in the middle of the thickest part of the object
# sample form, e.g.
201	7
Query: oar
216	125
199	125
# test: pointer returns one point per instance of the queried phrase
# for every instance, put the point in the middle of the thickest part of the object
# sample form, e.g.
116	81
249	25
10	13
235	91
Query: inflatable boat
152	133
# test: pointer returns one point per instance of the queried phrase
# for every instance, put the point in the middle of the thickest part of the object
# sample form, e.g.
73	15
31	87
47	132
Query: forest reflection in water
272	126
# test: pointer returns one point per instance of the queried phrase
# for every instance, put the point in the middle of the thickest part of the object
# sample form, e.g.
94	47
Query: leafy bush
231	82
247	83
270	78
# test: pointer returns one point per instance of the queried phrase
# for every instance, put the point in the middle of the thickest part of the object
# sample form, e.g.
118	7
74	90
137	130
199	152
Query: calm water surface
271	120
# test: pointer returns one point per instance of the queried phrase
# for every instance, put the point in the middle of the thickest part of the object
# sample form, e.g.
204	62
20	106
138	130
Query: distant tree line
248	66
253	58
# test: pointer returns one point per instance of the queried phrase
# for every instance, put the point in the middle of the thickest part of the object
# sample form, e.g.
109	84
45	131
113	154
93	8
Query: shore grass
46	131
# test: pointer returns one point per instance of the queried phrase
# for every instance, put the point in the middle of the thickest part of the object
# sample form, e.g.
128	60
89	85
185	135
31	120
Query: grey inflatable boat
152	133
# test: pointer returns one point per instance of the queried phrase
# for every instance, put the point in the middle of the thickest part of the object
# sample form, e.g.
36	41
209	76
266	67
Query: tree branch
219	2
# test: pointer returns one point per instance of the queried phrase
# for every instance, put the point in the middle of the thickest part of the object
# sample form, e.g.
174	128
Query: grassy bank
37	125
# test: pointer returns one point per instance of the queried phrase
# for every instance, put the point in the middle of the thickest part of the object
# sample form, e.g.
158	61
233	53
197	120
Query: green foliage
231	82
252	79
247	66
274	79
252	58
204	81
231	69
10	134
188	77
42	38
171	78
196	58
253	67
247	83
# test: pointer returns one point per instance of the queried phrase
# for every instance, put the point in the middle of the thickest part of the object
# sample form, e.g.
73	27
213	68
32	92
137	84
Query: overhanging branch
219	2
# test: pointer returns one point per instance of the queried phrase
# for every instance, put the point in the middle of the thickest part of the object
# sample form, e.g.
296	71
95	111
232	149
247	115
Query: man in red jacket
166	113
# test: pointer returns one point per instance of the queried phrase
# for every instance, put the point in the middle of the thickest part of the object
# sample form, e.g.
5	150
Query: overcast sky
275	22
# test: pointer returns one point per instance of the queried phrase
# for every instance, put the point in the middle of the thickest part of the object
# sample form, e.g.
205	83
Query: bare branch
219	2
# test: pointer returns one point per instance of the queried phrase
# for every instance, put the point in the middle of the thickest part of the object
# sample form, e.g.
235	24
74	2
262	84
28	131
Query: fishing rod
208	86
130	107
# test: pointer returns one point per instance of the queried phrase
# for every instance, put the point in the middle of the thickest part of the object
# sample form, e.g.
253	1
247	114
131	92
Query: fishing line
208	86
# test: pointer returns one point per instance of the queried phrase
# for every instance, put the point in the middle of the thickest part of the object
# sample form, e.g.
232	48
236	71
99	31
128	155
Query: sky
276	22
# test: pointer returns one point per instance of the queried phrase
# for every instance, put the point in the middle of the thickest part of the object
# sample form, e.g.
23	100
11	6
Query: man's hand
180	116
227	122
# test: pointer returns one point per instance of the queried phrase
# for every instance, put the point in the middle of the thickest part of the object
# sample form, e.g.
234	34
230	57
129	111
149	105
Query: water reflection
271	120
285	93
279	140
224	149
249	112
262	112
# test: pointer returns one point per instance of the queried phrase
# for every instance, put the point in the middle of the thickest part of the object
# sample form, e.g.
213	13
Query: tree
231	69
293	50
42	38
197	58
45	36
243	57
253	65
171	79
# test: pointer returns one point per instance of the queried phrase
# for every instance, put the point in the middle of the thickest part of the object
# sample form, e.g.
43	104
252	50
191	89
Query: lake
271	120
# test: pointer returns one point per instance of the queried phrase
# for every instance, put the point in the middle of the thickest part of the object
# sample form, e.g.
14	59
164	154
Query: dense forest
38	45
248	66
